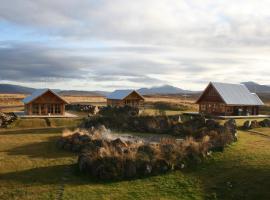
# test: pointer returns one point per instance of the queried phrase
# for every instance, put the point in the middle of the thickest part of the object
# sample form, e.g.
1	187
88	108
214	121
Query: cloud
134	43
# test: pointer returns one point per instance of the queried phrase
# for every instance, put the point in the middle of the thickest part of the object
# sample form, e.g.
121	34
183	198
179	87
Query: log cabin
44	102
125	97
225	99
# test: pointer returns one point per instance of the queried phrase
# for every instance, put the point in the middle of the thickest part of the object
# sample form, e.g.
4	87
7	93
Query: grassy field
32	168
44	123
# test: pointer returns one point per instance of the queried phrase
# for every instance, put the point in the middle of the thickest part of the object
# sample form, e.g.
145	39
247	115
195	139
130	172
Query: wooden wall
45	104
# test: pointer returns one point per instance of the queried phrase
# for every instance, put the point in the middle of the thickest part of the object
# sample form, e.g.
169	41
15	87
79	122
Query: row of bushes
250	124
104	157
158	124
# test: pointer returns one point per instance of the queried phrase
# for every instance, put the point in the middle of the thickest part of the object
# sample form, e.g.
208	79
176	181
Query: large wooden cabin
44	102
226	99
125	97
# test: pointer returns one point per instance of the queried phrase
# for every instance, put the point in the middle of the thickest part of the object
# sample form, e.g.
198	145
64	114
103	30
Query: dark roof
39	93
236	94
121	94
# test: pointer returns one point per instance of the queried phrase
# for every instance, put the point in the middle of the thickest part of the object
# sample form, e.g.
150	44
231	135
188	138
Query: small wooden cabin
44	102
125	97
226	99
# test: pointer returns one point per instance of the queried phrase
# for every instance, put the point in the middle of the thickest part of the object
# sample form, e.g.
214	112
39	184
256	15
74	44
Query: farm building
125	97
226	99
44	102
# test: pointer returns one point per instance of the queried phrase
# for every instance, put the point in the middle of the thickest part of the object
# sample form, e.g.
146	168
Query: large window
35	109
57	108
50	108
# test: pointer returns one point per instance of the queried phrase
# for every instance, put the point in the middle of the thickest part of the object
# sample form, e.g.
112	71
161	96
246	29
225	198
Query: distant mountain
257	88
82	93
165	89
15	89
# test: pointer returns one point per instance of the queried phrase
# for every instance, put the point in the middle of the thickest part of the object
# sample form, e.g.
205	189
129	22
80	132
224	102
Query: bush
105	158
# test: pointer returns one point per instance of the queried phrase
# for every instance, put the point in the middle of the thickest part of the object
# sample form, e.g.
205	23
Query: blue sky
106	45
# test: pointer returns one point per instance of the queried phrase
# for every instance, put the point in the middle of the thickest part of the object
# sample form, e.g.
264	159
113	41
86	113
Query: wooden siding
132	99
211	103
46	104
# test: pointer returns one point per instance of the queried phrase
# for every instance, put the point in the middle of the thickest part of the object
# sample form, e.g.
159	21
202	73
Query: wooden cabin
125	97
226	99
44	102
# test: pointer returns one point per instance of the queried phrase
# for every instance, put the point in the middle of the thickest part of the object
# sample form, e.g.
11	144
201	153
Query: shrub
104	157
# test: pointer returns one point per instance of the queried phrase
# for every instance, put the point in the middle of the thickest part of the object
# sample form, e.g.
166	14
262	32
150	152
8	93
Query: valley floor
32	168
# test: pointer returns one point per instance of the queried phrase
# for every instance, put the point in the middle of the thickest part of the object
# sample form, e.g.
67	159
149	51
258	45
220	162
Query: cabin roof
39	93
235	94
121	94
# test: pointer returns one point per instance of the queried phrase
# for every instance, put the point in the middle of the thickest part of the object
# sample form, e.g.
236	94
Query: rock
147	150
143	167
231	127
84	163
6	119
254	124
247	124
130	170
118	143
211	124
265	123
161	166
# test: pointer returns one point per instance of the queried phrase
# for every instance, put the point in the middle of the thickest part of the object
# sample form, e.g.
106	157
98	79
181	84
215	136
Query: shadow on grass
44	149
37	176
243	183
230	181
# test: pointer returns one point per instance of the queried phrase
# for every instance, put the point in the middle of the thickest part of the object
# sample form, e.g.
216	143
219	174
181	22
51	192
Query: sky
117	44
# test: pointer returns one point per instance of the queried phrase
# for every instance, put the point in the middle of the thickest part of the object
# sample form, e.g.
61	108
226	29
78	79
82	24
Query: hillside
257	88
165	89
15	89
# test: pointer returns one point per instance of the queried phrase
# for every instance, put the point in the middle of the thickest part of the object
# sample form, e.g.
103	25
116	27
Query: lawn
265	131
24	123
32	168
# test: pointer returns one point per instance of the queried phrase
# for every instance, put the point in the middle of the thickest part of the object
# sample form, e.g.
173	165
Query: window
50	108
203	107
229	109
35	109
57	109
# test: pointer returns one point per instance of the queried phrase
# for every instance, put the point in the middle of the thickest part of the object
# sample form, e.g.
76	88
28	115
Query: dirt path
258	133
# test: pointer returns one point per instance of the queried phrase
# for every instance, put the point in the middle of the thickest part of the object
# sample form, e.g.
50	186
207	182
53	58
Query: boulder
247	124
143	167
265	123
147	150
130	170
211	124
161	166
84	163
254	124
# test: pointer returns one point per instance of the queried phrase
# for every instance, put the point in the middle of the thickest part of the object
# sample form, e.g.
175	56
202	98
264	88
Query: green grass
56	122
265	131
150	111
29	123
23	123
32	168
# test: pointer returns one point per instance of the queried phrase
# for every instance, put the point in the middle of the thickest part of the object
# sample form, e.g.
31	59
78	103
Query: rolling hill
165	89
257	88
